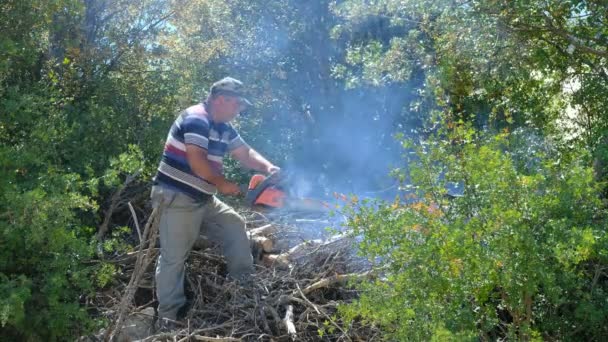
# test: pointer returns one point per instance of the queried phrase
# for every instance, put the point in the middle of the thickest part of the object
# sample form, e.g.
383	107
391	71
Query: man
188	177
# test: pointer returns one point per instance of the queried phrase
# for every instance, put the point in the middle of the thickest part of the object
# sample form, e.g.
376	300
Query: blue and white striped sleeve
235	140
196	132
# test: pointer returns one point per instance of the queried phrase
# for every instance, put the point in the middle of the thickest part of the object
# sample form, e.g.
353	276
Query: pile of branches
292	298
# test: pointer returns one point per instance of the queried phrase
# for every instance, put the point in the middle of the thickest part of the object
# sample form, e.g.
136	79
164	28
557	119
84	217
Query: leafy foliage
89	88
67	118
500	63
520	255
43	246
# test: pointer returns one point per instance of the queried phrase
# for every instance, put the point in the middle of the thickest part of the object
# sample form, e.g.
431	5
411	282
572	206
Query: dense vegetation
504	98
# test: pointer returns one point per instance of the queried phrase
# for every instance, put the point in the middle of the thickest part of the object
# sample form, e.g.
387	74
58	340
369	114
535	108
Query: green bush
42	249
521	255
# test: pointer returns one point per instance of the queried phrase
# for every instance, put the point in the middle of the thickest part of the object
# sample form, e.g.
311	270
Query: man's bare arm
197	159
252	159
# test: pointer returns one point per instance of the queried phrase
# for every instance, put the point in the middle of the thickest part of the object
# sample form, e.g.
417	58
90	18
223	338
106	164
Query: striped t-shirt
194	126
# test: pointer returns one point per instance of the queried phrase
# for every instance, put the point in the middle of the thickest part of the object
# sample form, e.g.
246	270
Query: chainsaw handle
252	195
243	189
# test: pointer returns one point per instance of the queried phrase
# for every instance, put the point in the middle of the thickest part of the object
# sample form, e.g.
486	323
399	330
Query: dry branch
322	312
288	320
336	279
275	260
265	230
263	242
143	260
215	339
136	221
114	203
296	297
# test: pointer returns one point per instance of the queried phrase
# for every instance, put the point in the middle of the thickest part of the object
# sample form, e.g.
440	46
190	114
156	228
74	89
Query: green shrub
521	255
42	274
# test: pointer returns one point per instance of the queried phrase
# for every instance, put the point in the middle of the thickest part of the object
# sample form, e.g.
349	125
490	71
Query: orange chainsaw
273	193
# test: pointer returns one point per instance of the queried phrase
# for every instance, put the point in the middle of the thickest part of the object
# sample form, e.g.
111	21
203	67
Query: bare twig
223	310
143	260
322	312
263	230
196	333
215	339
114	203
288	320
338	278
136	221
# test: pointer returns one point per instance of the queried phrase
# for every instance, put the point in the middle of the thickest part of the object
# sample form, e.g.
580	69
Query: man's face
227	108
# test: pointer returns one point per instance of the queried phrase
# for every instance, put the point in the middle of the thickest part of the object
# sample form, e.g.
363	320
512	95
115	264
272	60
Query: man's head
226	99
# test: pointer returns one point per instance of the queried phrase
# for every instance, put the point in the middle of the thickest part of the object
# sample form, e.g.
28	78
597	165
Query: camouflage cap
231	87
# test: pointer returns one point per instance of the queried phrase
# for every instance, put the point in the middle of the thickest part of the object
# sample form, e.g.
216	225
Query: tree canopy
506	97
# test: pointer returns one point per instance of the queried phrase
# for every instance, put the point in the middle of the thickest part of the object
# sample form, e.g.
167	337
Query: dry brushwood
265	230
116	201
265	244
144	258
291	328
294	303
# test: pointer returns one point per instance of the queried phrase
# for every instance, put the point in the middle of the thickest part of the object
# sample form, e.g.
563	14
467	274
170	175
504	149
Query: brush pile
293	295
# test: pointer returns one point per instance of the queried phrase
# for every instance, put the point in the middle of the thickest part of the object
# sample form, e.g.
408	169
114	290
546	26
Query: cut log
275	260
283	260
302	249
265	243
266	230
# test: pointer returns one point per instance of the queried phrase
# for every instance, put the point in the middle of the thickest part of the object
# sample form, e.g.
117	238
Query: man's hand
272	169
197	159
227	188
274	173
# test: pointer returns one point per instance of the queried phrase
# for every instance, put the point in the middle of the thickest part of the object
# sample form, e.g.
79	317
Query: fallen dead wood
288	320
275	260
264	230
293	298
143	260
215	339
321	284
130	257
336	279
322	312
304	251
203	243
136	222
264	243
115	202
223	310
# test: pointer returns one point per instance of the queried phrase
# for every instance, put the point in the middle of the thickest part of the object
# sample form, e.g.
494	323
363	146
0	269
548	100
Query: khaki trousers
182	220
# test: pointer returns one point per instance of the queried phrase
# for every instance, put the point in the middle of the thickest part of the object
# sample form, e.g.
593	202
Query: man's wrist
271	168
219	180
